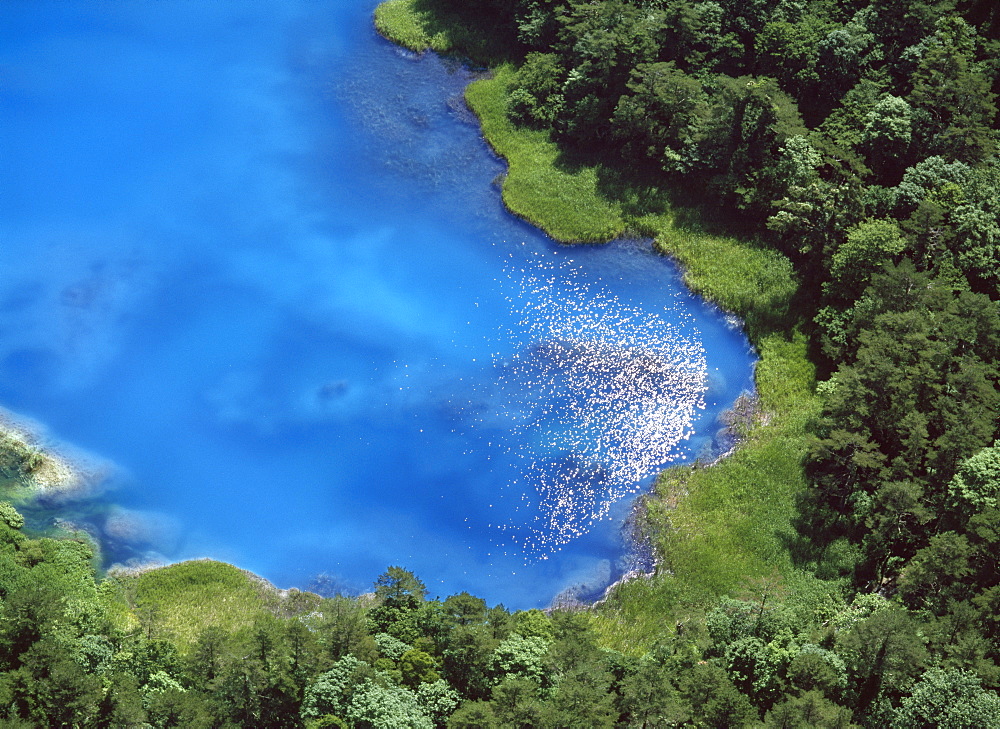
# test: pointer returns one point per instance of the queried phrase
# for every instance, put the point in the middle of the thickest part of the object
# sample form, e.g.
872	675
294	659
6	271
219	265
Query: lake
254	257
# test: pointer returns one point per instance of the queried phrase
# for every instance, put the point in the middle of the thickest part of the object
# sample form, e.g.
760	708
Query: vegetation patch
446	28
541	185
719	527
184	599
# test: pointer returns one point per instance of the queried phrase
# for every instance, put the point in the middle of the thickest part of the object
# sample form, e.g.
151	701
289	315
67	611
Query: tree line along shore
826	171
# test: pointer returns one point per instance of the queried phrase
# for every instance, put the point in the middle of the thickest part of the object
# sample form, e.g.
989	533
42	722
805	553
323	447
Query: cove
254	256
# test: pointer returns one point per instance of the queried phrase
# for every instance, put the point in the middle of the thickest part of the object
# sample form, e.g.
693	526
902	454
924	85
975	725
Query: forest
850	144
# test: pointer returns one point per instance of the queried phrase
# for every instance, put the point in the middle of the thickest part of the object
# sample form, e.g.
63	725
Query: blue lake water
254	256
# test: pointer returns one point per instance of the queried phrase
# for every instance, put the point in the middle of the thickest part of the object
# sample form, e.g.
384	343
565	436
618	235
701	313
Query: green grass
574	201
181	600
448	28
717	528
562	199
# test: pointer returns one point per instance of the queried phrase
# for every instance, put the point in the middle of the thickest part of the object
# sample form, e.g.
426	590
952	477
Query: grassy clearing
183	599
716	528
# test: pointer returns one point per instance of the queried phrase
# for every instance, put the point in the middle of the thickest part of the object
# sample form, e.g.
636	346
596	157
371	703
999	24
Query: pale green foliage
331	691
949	699
808	207
817	668
868	248
888	133
387	707
520	657
11	516
890	122
162	681
752	668
94	652
437	699
730	620
863	606
532	624
976	485
799	161
925	178
390	647
537	95
979	247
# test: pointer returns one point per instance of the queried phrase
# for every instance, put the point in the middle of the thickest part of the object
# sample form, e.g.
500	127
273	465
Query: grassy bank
717	529
182	600
446	28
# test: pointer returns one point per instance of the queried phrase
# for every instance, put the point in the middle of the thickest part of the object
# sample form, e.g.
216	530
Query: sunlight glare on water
255	257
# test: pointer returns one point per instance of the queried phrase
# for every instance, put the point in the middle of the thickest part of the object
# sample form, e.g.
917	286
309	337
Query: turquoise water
254	256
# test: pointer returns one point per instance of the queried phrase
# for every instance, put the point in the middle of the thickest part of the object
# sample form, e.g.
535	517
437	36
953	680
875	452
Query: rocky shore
34	465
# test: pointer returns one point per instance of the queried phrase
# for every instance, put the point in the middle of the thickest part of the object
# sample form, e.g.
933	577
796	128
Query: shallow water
255	256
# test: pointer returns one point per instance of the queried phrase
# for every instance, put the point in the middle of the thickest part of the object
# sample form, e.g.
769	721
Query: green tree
416	667
50	689
662	117
976	486
532	624
465	659
789	52
649	698
882	652
869	246
516	703
474	715
438	700
397	587
713	700
925	178
375	706
888	133
955	107
343	628
948	699
464	609
581	700
519	657
537	96
753	670
810	710
935	575
817	669
331	691
845	53
602	43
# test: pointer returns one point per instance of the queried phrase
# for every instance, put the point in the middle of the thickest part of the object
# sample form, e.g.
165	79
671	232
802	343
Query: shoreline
64	475
641	536
723	531
43	467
